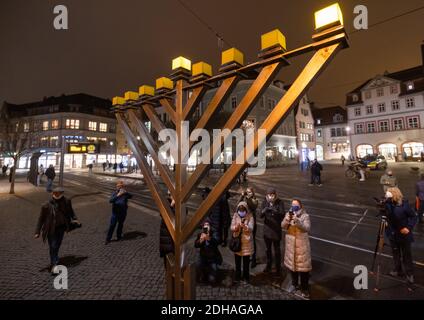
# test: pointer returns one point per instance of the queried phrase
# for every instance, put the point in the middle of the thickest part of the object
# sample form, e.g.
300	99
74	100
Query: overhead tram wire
203	22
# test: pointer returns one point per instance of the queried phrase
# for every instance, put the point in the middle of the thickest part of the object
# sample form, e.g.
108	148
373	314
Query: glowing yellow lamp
202	68
130	95
181	62
273	39
232	55
328	17
164	83
116	101
146	91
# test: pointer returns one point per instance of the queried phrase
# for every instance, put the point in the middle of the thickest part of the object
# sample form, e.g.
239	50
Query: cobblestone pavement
129	269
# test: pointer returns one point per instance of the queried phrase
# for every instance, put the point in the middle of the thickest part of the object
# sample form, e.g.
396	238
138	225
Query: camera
381	206
205	230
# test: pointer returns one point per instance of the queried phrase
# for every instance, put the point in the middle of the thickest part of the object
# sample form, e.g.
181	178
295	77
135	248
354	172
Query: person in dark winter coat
54	220
401	221
420	197
219	217
119	201
316	169
249	197
209	257
50	174
272	211
166	243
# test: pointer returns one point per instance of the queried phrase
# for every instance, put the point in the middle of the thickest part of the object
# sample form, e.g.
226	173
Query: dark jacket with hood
399	217
272	214
55	214
209	251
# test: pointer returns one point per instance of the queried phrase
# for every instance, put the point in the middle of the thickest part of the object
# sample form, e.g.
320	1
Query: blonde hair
397	195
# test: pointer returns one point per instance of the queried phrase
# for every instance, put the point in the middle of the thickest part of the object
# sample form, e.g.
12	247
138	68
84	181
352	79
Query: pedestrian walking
209	255
388	180
242	225
90	168
343	159
249	197
272	211
121	167
115	167
297	257
166	244
119	201
420	197
56	217
401	221
4	170
316	169
104	165
50	174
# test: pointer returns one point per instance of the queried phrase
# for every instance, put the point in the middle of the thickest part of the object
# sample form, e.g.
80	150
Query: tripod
378	251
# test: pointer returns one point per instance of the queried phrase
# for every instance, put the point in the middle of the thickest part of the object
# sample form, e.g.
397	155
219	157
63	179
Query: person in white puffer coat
297	257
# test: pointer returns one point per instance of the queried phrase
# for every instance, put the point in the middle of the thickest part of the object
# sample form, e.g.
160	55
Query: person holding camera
388	180
242	226
249	197
166	243
273	213
297	257
56	217
119	201
209	257
401	221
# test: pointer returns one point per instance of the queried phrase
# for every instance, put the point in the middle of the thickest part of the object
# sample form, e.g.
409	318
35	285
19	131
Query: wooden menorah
182	100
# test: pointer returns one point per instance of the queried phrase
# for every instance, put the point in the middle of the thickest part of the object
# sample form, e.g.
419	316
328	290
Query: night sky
114	46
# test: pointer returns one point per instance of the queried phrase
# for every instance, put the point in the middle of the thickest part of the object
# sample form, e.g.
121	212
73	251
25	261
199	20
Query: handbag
235	243
74	224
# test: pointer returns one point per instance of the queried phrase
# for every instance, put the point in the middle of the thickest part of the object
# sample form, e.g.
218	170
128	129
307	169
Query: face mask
249	194
295	208
388	195
242	214
57	197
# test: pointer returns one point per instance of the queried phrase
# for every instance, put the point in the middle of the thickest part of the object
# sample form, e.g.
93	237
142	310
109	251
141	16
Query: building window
381	107
369	110
383	126
92	126
393	89
103	127
301	124
45	125
338	118
355	98
26	127
359	128
395	105
72	124
410	86
371	127
54	141
233	102
55	124
310	126
319	133
367	95
318	121
398	124
357	112
410	102
413	123
305	112
333	132
380	92
339	147
44	141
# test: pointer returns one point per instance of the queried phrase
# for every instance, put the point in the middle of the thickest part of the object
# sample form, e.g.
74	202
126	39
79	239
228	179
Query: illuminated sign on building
90	148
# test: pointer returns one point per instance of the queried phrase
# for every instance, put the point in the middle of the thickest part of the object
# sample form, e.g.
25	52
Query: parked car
374	161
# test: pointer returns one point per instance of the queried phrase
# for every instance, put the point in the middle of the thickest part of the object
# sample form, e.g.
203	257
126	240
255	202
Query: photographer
119	201
242	225
210	257
249	197
401	221
297	257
